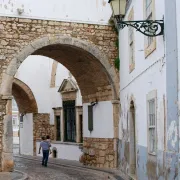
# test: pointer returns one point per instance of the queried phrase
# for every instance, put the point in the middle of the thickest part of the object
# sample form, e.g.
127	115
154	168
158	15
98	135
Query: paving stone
12	176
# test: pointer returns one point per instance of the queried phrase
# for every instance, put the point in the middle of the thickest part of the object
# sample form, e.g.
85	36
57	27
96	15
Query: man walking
45	145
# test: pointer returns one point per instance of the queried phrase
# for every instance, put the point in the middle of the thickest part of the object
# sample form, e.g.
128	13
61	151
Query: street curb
25	176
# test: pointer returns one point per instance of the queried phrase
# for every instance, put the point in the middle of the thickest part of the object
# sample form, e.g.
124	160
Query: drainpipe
172	119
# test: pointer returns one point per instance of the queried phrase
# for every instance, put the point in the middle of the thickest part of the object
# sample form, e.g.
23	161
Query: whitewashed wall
85	11
149	74
35	71
64	151
26	135
102	120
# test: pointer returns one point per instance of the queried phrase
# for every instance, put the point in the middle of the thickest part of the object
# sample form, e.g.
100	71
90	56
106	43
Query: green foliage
117	63
115	29
111	21
117	60
117	43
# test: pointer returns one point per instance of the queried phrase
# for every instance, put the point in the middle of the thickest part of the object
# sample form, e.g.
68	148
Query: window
90	118
14	120
151	102
131	44
128	3
149	17
152	126
150	42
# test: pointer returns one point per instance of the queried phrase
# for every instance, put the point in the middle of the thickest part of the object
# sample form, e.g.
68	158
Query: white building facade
98	11
148	130
142	94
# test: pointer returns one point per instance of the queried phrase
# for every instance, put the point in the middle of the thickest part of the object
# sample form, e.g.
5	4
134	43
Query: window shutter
90	118
21	118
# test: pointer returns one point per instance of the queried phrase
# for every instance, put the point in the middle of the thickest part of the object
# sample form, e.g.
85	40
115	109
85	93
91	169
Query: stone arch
91	67
96	78
24	97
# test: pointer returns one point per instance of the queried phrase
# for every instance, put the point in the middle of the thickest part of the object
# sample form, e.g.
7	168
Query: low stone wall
98	152
41	127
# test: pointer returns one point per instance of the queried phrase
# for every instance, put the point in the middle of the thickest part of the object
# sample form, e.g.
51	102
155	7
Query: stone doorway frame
132	139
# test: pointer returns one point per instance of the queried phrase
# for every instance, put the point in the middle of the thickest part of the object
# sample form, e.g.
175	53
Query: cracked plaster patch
172	133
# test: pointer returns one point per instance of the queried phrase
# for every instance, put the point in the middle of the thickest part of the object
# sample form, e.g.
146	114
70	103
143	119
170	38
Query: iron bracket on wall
149	28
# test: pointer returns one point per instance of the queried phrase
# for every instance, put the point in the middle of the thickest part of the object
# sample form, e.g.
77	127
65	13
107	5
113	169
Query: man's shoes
45	165
42	164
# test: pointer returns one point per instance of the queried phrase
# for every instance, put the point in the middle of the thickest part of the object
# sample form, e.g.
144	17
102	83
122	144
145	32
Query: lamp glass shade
118	7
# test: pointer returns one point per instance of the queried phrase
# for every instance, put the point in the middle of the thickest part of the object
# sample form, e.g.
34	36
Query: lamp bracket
149	28
94	103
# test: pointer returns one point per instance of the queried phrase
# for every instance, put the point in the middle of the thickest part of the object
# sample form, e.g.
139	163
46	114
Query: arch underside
24	97
90	74
96	77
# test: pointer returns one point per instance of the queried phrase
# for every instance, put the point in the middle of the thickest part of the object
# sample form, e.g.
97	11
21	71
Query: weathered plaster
173	133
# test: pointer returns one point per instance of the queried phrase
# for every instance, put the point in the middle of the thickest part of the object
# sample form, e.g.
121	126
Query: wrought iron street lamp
147	27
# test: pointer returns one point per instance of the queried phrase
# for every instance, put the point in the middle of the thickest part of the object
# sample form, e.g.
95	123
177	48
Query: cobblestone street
57	169
55	172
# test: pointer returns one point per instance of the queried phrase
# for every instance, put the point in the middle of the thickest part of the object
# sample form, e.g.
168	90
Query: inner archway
27	105
24	97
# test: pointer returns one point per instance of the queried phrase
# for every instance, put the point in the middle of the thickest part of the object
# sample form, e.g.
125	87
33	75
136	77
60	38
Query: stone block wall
98	152
41	127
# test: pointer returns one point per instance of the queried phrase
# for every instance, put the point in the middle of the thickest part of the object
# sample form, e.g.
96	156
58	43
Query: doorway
70	121
81	127
58	128
132	140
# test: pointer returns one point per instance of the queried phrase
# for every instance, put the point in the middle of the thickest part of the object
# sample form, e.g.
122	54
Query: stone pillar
78	124
57	112
7	139
62	125
116	130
